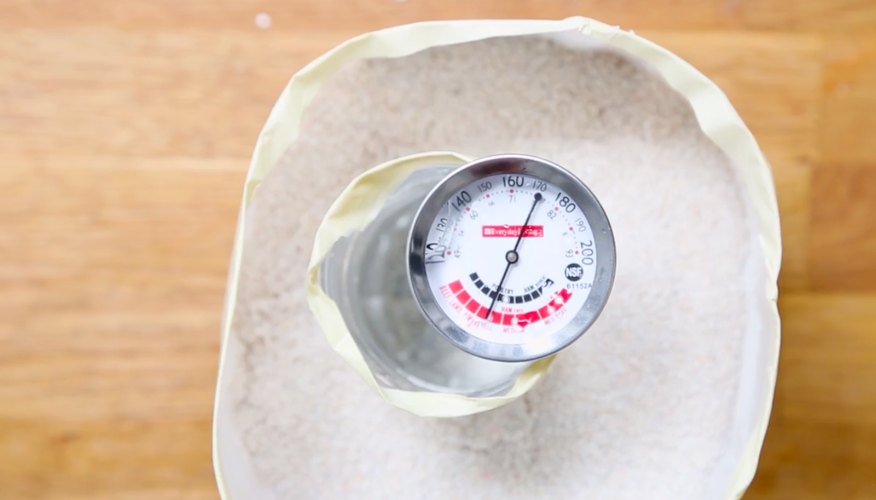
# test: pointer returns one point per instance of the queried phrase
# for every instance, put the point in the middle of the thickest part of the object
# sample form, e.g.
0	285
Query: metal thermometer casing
497	287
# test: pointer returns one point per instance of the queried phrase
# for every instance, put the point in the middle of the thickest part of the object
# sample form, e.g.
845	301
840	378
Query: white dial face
510	258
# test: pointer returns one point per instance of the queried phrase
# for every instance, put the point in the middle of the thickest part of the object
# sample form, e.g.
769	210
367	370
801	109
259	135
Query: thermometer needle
512	256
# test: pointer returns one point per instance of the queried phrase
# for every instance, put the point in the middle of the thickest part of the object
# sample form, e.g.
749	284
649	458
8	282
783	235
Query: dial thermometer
511	258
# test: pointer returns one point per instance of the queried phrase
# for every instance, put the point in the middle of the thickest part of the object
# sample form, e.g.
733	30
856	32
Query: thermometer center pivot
511	256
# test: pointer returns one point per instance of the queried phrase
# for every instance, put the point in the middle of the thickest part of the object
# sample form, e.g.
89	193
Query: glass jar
365	274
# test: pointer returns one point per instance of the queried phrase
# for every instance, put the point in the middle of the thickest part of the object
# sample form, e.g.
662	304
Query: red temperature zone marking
512	231
520	319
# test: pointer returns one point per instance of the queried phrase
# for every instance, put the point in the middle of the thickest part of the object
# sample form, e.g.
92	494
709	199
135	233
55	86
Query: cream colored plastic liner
717	118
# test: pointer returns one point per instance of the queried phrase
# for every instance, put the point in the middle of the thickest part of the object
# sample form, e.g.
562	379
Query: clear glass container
365	274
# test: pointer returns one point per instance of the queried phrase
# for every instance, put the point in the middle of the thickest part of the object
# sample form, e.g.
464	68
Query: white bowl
717	118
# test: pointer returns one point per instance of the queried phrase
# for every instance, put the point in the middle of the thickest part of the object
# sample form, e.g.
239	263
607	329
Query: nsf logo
574	272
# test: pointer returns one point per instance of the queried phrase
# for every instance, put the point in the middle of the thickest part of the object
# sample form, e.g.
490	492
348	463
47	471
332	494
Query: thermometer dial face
512	258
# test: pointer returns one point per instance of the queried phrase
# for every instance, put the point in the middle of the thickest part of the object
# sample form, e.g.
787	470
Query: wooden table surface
125	132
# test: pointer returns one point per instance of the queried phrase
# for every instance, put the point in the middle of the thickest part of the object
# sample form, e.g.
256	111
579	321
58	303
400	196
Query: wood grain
125	131
849	100
821	438
843	230
358	15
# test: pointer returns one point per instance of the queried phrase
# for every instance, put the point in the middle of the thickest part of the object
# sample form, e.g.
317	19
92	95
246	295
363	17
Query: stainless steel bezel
547	171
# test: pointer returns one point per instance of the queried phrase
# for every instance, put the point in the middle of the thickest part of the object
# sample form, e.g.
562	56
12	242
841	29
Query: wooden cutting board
125	131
